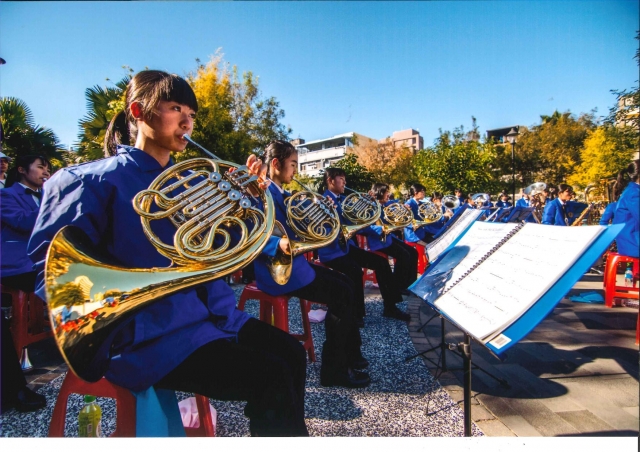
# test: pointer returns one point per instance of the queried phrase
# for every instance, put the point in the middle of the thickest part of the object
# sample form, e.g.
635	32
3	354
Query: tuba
314	219
429	213
218	230
480	198
536	199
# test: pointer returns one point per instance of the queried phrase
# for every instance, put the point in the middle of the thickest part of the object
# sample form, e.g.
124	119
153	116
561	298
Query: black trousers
405	271
266	367
12	379
343	341
352	263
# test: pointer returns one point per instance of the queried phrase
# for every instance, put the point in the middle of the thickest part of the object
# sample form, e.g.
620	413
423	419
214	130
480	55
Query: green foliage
103	103
22	136
606	150
233	119
358	177
550	152
456	162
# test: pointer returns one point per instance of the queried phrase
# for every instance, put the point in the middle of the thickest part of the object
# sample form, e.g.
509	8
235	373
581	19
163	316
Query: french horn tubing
218	231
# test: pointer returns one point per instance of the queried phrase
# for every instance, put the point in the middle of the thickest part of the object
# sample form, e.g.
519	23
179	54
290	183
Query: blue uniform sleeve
607	215
14	215
549	214
67	201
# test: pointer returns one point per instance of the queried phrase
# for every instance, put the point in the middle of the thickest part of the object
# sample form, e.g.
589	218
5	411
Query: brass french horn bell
218	231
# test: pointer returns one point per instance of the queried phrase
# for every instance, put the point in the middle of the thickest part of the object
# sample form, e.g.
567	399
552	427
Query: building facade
314	156
410	138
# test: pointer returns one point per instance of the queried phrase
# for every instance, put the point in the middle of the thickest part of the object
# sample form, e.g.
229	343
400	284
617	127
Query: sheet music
514	277
480	238
438	246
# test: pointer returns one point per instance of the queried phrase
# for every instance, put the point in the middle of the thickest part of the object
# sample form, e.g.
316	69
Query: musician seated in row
194	340
628	213
618	187
559	211
346	257
523	201
20	202
342	360
405	270
458	194
423	235
504	201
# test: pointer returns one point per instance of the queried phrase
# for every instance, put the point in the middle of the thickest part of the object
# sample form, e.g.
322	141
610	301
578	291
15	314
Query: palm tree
22	136
102	105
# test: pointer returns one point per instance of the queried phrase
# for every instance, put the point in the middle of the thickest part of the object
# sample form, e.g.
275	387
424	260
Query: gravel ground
403	399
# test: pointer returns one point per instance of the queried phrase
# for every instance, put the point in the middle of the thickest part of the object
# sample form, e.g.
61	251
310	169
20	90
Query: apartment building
500	135
410	138
314	156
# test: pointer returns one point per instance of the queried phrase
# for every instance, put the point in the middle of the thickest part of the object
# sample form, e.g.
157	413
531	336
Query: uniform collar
144	161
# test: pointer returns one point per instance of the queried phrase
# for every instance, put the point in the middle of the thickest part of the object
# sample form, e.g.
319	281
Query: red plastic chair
125	407
611	289
275	310
423	260
29	322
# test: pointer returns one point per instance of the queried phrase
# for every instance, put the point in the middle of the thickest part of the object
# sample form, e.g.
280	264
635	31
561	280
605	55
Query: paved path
575	374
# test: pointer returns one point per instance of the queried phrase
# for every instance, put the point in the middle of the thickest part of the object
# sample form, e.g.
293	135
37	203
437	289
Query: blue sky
335	67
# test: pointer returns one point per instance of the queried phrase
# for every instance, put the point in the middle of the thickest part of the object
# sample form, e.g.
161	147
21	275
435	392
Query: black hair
436	195
415	189
632	171
564	187
148	88
379	190
278	149
24	162
331	173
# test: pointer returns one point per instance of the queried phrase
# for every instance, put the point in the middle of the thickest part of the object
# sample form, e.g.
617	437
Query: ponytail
118	133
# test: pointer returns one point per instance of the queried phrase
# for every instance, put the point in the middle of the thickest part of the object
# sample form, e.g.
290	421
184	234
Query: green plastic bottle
89	419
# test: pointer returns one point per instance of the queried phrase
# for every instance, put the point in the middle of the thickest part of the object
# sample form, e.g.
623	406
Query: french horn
314	219
429	213
218	231
397	216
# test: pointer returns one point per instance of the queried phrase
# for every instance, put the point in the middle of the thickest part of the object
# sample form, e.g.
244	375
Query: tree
67	294
358	177
606	150
22	136
550	151
103	103
233	118
385	162
625	114
455	162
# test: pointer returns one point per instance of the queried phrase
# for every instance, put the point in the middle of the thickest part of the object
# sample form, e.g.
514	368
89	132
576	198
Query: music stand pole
465	350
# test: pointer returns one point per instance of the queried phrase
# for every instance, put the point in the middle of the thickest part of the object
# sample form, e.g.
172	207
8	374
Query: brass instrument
536	199
429	213
213	201
315	221
601	194
397	216
361	209
585	211
450	202
480	198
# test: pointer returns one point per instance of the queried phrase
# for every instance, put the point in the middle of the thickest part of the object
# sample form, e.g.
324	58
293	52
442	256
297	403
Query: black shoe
395	313
360	363
349	378
27	400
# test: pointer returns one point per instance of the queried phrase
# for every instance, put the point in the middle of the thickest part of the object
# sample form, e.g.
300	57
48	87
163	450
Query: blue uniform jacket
97	197
553	212
409	234
301	273
628	213
18	211
373	234
336	248
522	203
608	213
